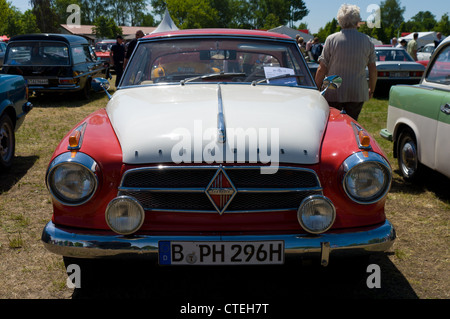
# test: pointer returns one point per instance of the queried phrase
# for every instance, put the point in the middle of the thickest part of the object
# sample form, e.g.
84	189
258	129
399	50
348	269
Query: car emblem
220	190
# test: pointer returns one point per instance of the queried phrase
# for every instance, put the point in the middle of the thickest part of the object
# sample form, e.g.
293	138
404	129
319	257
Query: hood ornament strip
221	135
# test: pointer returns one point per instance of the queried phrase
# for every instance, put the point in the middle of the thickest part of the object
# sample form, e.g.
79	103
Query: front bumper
70	243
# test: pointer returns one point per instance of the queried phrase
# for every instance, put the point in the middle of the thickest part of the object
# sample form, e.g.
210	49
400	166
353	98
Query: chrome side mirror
98	84
331	82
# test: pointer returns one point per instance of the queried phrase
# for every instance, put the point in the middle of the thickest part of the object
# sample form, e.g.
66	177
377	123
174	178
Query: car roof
218	32
67	38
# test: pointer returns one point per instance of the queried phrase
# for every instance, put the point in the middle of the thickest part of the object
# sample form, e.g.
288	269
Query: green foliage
106	28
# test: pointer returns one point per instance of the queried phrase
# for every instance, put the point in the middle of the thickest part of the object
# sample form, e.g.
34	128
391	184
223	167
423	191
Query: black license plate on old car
221	253
37	81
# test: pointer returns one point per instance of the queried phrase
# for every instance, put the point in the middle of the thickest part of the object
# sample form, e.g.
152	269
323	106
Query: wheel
87	89
7	141
408	158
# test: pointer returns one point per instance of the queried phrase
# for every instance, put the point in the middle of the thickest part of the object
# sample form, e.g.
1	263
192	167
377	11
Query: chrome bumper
68	242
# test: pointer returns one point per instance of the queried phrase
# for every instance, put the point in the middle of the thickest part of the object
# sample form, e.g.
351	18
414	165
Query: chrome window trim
79	159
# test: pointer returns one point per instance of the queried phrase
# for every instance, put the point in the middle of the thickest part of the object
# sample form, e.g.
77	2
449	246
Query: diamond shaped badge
220	190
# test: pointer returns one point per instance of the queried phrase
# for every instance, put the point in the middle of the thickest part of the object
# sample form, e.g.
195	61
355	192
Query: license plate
37	81
221	253
399	74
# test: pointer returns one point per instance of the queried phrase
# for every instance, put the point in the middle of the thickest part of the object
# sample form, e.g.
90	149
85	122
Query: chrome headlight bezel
364	159
308	203
139	215
80	161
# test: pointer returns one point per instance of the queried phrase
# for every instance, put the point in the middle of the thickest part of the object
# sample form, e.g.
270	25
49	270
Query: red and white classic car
218	149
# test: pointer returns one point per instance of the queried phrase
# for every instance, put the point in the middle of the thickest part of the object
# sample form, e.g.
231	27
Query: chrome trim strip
202	190
221	130
228	211
82	244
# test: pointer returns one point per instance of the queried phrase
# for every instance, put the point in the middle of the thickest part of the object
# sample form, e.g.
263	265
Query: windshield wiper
210	76
298	75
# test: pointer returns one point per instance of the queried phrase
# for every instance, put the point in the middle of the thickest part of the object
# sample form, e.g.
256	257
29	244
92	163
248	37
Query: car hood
175	123
396	65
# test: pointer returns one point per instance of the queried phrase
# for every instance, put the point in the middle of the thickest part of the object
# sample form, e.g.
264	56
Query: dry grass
417	267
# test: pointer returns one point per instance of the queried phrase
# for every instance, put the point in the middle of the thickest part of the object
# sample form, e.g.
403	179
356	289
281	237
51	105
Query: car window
81	54
392	55
37	53
238	60
440	70
2	47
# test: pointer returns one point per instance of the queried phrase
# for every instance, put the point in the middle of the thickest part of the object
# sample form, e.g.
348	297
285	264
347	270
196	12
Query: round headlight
70	181
124	215
316	214
367	181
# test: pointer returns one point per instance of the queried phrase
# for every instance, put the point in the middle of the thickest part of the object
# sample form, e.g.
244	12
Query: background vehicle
14	106
425	52
396	66
2	52
418	120
53	63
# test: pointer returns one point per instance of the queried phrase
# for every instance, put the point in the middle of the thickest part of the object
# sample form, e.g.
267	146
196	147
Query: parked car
14	106
396	66
2	52
184	173
424	53
418	120
53	62
103	49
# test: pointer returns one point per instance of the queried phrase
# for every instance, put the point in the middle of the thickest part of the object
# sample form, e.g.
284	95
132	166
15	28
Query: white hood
174	123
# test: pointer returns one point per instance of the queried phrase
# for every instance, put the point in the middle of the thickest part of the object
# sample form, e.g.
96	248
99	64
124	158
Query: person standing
347	53
412	46
131	46
117	56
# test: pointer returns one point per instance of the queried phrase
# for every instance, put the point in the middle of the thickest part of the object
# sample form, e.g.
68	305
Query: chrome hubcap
409	159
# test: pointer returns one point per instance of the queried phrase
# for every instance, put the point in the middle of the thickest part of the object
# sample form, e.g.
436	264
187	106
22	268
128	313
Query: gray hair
348	16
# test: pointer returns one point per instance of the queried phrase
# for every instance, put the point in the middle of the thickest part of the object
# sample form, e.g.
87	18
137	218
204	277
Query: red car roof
258	33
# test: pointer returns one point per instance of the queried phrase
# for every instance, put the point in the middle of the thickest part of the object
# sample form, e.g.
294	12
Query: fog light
316	214
124	215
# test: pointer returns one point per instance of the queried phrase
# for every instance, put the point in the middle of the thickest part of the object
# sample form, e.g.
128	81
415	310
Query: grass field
417	266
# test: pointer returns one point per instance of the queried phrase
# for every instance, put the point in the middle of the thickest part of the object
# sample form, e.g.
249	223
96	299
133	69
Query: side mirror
99	84
331	82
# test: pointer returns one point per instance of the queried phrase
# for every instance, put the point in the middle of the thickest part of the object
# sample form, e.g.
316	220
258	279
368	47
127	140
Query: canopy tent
166	24
292	32
424	38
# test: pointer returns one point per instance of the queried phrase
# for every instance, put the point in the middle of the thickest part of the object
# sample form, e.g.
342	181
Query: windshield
238	60
393	55
103	46
37	53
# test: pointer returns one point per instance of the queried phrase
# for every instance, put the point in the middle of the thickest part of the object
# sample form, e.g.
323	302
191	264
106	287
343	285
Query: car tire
87	89
408	157
7	141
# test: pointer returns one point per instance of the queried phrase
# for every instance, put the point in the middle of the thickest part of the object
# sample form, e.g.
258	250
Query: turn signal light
364	139
74	139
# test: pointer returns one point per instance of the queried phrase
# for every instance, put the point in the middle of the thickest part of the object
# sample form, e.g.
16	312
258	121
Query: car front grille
186	188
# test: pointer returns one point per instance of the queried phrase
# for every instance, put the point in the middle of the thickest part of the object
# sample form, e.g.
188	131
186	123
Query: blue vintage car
14	106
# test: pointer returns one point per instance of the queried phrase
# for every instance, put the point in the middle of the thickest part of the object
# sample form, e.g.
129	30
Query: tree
425	20
105	28
330	28
391	19
192	14
46	18
298	10
29	23
443	25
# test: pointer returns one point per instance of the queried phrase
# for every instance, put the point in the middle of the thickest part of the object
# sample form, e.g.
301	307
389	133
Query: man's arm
373	75
322	70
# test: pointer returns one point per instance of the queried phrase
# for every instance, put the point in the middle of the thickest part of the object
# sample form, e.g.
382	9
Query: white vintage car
218	149
418	120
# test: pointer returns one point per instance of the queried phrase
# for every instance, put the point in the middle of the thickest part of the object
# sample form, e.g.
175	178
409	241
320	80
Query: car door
439	75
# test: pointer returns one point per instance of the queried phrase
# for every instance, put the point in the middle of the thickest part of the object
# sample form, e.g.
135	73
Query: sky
323	11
